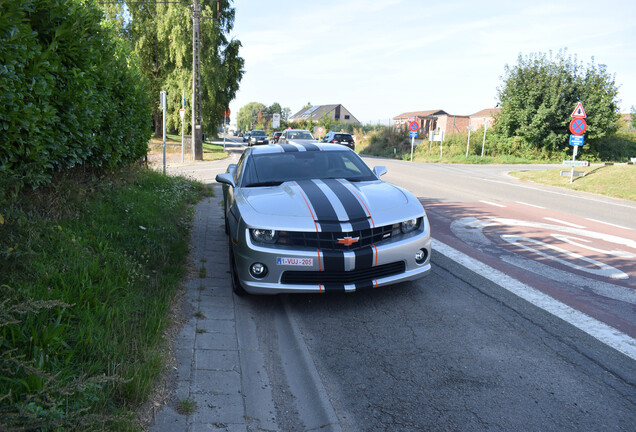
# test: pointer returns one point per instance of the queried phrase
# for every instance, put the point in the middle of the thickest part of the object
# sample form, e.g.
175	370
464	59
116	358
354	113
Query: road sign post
163	109
414	126
578	126
413	135
468	142
182	115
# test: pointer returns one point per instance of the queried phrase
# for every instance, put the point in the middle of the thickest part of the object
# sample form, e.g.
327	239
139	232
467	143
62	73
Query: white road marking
575	231
558	193
598	268
559	221
528	204
616	252
606	334
610	224
492	204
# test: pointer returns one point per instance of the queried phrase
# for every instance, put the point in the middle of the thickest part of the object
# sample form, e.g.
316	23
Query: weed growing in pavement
187	407
90	265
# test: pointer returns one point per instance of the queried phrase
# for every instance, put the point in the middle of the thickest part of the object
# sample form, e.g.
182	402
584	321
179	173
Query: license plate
303	262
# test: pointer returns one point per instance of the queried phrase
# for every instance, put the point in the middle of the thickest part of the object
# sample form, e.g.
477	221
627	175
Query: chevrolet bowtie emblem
348	241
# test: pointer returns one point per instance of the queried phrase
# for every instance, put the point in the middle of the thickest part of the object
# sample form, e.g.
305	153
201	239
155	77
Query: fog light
258	270
420	256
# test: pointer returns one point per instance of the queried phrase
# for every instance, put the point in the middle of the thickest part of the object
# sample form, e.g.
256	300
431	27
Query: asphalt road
458	350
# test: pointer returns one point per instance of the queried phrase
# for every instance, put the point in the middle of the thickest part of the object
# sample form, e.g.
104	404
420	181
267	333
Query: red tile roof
488	112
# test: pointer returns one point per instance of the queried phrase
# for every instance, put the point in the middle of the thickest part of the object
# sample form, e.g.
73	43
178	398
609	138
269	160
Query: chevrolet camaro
310	217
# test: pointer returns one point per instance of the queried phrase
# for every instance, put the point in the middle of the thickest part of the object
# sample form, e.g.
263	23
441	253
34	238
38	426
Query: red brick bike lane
586	264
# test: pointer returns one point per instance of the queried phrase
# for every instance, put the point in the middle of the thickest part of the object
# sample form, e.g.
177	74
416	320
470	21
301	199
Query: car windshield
299	135
272	169
258	133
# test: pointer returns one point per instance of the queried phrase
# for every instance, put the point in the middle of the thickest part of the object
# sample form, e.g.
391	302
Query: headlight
409	225
264	235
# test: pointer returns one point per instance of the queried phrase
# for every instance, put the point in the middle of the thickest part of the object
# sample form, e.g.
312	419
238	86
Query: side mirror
379	171
225	178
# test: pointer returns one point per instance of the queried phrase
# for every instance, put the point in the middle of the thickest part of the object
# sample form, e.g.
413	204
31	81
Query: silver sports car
312	217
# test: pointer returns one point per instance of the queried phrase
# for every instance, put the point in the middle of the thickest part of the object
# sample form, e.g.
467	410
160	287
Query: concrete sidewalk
208	370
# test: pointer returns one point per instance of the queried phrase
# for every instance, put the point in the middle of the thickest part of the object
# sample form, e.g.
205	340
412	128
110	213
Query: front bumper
303	270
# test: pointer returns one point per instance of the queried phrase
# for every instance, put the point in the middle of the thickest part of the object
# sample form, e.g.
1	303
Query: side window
239	168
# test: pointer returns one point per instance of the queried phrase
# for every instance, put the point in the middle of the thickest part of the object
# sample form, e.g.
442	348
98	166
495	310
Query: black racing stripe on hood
363	258
325	214
357	215
333	260
310	147
289	148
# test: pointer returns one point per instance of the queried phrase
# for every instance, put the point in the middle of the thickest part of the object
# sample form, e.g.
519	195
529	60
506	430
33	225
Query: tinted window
258	133
300	135
275	168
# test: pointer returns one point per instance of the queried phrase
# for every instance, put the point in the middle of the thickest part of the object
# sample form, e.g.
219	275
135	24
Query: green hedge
70	95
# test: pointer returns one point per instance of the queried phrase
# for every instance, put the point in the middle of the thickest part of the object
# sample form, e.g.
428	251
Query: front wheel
236	283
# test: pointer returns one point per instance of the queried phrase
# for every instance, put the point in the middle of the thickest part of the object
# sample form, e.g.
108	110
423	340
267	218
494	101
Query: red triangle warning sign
579	112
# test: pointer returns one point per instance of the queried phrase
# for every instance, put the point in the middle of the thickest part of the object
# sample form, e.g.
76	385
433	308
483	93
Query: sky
381	58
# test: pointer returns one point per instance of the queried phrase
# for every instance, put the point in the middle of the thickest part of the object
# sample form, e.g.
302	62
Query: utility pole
197	133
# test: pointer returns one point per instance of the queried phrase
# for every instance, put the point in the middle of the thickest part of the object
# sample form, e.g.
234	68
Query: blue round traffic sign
578	126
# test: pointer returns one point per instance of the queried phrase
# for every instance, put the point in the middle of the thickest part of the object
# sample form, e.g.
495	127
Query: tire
236	283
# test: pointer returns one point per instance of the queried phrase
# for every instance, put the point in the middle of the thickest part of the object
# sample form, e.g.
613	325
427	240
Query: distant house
441	121
336	113
433	120
482	117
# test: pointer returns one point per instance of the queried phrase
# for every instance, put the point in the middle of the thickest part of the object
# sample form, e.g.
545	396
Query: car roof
305	146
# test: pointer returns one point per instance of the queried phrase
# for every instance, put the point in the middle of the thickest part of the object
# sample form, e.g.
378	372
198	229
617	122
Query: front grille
342	277
329	240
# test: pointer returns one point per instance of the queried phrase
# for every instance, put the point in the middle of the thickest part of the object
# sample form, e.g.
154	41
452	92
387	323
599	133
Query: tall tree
540	92
162	36
248	115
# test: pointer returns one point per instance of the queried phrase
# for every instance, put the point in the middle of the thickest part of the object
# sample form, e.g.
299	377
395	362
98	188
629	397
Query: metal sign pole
412	144
163	108
574	152
483	143
182	124
468	142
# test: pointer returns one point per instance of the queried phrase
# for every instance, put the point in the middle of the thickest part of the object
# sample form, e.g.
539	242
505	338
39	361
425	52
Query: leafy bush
70	93
386	141
539	93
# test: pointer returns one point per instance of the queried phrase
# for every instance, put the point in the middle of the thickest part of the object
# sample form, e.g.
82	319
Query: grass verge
211	152
90	266
618	181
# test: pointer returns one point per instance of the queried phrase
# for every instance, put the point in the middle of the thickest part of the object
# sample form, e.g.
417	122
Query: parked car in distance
307	217
276	136
290	136
258	137
246	137
340	138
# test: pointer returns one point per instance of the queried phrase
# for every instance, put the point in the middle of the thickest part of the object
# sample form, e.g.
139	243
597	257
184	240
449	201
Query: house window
346	117
337	117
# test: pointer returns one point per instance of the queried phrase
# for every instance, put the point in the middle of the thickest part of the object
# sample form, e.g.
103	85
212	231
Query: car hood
294	206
